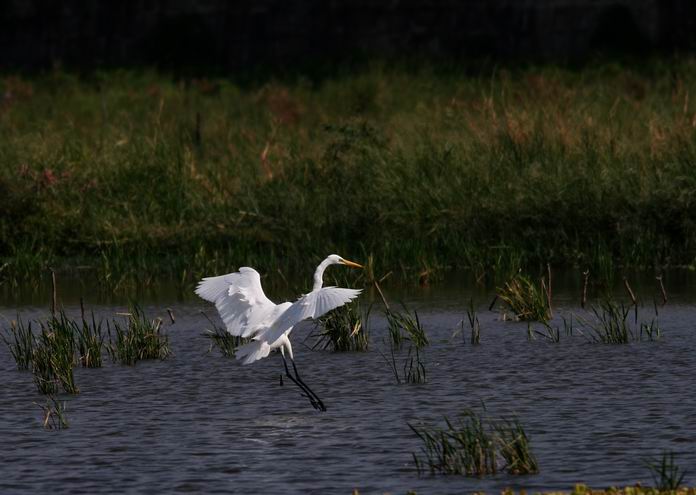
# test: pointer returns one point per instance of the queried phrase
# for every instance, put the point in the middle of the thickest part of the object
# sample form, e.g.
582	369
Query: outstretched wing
312	305
239	299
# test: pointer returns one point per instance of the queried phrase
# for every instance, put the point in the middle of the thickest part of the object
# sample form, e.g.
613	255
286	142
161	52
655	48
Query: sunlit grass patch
526	300
138	338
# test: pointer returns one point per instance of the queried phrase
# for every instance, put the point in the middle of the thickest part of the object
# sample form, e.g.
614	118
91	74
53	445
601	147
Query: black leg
317	400
306	391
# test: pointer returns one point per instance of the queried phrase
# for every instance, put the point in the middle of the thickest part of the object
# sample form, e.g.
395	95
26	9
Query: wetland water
199	422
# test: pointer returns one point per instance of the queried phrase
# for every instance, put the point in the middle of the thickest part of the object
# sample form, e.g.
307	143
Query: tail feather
253	351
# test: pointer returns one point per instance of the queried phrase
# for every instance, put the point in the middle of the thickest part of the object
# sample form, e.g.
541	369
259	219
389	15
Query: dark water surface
201	423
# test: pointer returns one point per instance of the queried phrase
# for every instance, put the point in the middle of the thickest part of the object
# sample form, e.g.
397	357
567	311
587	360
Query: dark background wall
235	34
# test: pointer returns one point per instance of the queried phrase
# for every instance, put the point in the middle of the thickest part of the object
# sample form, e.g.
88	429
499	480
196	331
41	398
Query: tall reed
667	475
611	325
19	339
475	446
137	339
221	339
54	414
526	301
345	329
54	355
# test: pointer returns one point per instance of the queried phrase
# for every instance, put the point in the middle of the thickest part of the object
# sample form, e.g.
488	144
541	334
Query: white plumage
247	312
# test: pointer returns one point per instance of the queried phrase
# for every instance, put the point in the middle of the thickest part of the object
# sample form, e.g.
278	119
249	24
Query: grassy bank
138	175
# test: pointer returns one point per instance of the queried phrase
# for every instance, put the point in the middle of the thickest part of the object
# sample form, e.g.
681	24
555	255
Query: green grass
527	300
137	339
54	355
222	340
424	169
475	445
345	329
611	324
19	339
666	474
54	414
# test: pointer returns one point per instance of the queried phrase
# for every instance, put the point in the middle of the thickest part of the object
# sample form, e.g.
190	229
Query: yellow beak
350	263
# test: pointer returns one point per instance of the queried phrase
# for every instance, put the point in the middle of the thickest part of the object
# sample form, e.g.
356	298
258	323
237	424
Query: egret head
337	260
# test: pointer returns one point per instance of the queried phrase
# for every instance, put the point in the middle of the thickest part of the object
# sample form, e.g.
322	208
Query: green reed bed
666	474
474	324
611	324
475	445
527	300
90	337
222	340
345	329
54	355
54	414
141	175
136	339
20	341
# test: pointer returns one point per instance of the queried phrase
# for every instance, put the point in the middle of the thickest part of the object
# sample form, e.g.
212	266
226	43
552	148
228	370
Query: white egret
247	312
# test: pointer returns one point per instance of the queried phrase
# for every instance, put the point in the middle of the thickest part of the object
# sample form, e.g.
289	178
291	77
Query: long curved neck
319	274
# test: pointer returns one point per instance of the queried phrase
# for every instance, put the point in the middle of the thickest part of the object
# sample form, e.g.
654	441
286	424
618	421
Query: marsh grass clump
475	446
526	300
223	340
514	448
403	325
54	414
54	356
90	338
19	339
612	325
345	329
138	339
666	474
549	333
474	324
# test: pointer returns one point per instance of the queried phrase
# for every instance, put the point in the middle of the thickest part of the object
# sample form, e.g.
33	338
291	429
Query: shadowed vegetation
666	474
475	446
222	340
138	339
54	414
138	175
19	339
344	329
612	325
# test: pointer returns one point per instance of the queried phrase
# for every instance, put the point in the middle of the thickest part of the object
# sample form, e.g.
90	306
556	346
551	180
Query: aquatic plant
19	339
54	355
474	446
514	448
223	340
89	340
138	339
474	324
666	474
403	325
54	414
525	300
548	333
611	325
408	369
345	329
